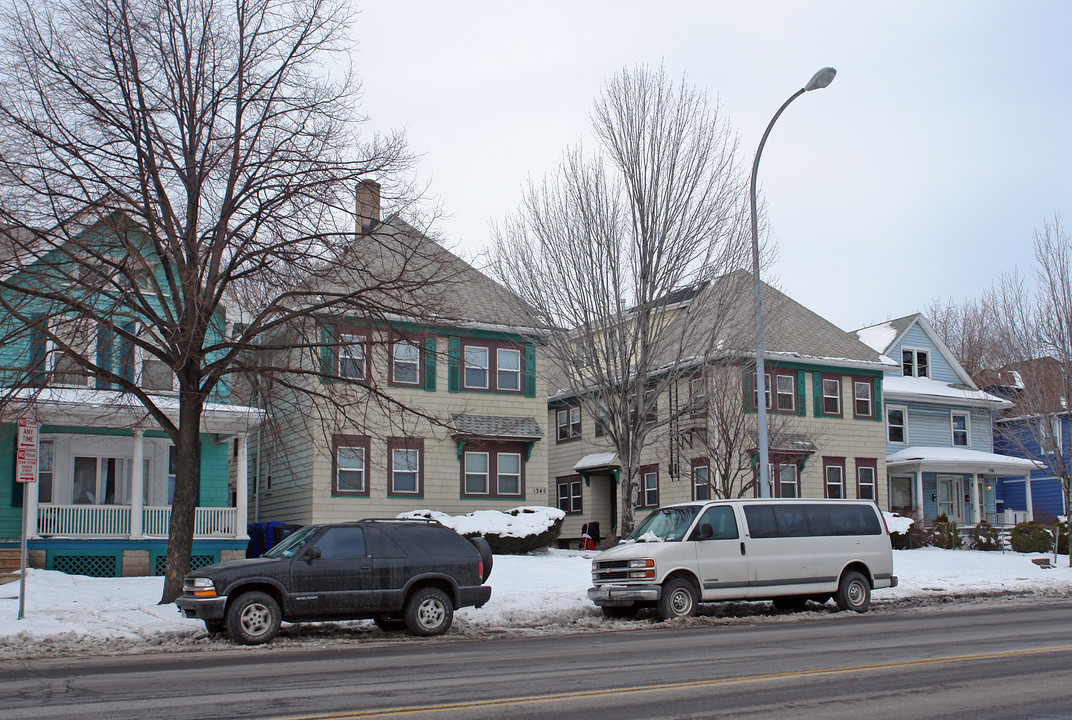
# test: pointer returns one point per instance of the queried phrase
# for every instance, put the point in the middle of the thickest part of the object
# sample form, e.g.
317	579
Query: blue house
101	501
940	456
1036	427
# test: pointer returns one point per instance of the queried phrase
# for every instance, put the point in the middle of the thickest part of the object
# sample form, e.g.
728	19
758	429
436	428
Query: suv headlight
642	569
200	587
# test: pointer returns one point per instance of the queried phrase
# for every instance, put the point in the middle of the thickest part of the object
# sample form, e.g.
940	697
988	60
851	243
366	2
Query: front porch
121	521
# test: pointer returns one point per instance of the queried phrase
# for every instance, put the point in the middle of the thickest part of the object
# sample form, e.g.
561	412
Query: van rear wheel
678	599
853	593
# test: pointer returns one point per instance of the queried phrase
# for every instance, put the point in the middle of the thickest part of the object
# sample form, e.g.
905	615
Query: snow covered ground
531	594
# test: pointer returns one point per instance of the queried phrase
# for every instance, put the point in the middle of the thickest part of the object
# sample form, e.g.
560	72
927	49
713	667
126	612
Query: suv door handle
742	547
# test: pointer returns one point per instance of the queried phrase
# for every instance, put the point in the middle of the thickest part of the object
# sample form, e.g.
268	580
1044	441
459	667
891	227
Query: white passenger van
788	551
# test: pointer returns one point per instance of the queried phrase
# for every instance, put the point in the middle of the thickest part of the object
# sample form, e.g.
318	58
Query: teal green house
100	502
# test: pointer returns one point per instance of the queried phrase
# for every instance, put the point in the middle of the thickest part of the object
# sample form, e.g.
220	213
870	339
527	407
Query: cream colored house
444	407
827	435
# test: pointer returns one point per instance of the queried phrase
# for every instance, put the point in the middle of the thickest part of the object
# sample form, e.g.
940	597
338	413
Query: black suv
408	573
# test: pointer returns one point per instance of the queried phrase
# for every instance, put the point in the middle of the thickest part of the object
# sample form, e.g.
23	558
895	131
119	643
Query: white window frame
795	482
706	484
486	474
839	484
1050	429
697	396
571	498
362	469
53	353
856	399
415	364
649	482
916	352
904	426
415	470
508	372
953	415
825	396
356	343
143	356
467	365
860	484
791	393
766	389
499	474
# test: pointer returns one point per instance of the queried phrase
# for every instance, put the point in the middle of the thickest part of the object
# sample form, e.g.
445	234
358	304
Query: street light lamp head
821	79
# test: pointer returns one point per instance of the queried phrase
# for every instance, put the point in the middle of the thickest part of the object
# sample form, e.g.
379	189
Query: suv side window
723	524
381	545
341	542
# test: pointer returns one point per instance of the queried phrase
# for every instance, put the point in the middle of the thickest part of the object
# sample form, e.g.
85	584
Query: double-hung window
353	357
788	485
508	369
350	460
834	477
648	495
569	495
961	426
897	424
697	396
494	470
405	362
701	480
476	367
404	471
866	470
831	396
476	473
766	390
861	394
786	387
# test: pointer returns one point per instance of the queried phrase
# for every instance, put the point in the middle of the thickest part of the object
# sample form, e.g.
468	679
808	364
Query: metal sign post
25	473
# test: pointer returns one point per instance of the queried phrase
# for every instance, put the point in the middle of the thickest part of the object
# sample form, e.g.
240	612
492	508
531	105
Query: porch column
137	484
242	488
973	495
917	481
1027	498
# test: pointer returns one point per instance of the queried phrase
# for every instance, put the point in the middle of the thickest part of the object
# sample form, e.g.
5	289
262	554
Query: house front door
950	490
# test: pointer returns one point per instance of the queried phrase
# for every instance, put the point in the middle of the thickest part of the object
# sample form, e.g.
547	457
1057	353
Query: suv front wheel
429	611
253	618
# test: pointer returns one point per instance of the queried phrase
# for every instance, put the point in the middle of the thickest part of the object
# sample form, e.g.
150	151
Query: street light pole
819	80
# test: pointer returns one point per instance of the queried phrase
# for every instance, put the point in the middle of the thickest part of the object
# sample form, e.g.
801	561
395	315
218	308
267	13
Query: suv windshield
665	524
292	544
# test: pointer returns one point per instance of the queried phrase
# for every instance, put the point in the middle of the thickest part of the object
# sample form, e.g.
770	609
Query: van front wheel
678	600
853	593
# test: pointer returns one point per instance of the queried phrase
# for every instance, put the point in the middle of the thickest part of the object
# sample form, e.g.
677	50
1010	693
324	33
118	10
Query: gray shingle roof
496	426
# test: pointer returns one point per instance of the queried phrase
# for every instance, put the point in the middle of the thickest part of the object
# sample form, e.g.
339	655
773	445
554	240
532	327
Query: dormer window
915	363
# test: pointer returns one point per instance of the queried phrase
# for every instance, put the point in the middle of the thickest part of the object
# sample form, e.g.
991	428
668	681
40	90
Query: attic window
915	363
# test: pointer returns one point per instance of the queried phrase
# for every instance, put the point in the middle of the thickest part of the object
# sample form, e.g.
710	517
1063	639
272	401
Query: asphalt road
997	660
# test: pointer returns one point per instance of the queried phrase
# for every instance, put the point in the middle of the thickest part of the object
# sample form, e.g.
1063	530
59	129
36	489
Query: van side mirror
312	553
706	531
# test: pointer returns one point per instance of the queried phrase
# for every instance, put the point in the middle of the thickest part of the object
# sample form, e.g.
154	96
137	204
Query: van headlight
642	569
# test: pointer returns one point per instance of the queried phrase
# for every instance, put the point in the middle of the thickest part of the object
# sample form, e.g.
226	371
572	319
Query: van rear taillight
480	568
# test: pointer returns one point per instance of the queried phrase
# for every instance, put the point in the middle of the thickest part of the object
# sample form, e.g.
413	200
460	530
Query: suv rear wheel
253	618
429	611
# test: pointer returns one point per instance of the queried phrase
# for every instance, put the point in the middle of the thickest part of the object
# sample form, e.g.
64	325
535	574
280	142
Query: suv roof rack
426	521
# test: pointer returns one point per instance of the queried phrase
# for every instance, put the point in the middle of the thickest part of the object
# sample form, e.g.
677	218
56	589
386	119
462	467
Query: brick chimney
368	206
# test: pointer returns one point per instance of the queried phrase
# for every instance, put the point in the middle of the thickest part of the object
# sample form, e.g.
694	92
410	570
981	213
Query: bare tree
1035	329
162	159
968	328
617	250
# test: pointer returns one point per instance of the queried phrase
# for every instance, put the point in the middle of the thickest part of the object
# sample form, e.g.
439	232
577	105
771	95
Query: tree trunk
187	490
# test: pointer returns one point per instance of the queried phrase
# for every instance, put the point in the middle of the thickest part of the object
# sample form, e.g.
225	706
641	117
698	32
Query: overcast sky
921	172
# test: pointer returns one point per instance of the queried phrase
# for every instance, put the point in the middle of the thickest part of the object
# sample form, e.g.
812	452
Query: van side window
832	520
791	520
761	522
723	524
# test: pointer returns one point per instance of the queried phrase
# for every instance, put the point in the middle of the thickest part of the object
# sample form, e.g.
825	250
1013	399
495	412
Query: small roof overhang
597	461
114	409
494	426
958	460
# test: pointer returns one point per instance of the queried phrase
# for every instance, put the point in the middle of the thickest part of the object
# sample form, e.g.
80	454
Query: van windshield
665	524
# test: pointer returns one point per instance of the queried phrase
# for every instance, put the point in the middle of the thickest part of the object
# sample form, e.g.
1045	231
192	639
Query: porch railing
112	521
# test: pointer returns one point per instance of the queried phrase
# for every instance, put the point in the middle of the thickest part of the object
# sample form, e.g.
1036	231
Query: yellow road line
665	687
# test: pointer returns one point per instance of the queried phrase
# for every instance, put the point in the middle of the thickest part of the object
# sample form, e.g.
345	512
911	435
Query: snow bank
517	523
